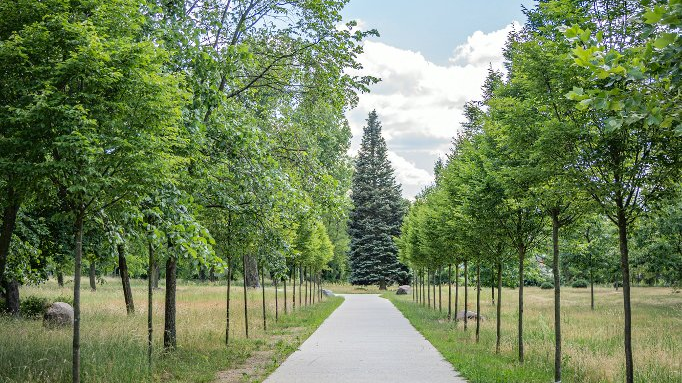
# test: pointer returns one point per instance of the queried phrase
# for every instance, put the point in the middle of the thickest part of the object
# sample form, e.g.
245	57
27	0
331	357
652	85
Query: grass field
114	344
592	340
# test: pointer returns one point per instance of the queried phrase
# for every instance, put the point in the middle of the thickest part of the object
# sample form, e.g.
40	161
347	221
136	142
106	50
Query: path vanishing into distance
366	340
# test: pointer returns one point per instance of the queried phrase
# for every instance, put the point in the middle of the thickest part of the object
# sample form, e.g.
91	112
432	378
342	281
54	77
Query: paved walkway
366	340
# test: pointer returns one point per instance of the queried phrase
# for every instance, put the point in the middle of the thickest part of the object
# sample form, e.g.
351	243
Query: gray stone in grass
59	314
403	290
471	315
327	293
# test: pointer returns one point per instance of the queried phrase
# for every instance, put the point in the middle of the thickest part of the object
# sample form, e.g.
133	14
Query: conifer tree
377	213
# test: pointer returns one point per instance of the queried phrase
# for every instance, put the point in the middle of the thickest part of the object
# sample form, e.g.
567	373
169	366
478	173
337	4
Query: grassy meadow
114	345
592	340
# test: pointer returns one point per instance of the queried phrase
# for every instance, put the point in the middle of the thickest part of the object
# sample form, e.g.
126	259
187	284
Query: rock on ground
470	315
59	314
403	290
327	293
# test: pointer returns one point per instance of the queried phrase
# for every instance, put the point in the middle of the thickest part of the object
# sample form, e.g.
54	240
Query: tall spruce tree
377	213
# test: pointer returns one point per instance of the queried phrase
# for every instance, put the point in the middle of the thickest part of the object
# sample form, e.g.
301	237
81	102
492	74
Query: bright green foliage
377	213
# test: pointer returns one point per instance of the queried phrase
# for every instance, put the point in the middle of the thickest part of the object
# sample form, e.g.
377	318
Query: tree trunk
157	274
276	301
466	293
284	285
627	310
125	279
428	287
293	286
456	289
9	219
251	271
478	298
202	273
246	306
300	285
499	307
382	283
150	307
522	256
557	295
262	284
450	292
78	256
211	274
440	292
93	276
591	290
12	297
433	283
169	334
228	299
414	285
305	277
60	278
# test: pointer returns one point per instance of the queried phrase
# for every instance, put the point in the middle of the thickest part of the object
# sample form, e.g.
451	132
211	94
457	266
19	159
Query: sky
432	57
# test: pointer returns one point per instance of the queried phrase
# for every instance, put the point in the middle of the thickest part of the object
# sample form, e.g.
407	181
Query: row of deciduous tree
200	134
585	120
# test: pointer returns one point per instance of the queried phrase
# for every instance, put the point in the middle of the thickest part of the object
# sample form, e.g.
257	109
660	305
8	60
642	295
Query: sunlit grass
592	340
114	344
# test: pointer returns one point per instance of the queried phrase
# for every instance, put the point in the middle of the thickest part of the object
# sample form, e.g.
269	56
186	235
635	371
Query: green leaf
664	40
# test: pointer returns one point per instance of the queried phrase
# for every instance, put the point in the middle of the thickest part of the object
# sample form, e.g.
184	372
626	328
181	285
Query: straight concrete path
366	340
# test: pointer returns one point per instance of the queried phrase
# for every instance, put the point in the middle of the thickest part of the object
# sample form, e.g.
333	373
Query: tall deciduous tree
377	213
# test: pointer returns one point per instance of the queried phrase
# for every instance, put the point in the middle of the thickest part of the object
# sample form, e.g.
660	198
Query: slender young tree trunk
246	306
76	358
428	287
60	278
262	284
211	274
305	276
284	284
466	294
300	285
276	300
150	306
414	284
157	274
450	291
499	307
557	296
478	298
293	286
591	290
522	256
125	279
228	300
433	283
456	290
440	285
169	334
93	277
627	309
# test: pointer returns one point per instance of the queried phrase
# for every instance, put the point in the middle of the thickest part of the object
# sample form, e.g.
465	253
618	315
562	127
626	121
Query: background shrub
579	284
547	285
34	307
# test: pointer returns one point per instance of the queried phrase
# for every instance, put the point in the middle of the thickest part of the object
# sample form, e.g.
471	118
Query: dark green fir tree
377	214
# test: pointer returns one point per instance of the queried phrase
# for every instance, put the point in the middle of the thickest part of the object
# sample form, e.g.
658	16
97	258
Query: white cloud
482	48
420	104
407	173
